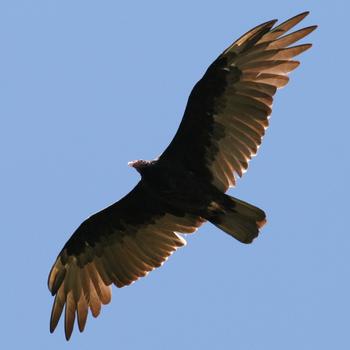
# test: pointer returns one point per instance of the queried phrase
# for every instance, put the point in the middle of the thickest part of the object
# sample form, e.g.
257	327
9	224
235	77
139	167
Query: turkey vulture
222	127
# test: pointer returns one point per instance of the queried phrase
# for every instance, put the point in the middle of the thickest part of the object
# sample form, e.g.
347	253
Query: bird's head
139	165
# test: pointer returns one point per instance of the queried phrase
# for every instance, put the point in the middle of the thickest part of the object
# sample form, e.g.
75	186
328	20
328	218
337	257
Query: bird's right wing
228	109
117	246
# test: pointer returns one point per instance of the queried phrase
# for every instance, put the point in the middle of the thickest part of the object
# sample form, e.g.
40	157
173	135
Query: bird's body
176	187
222	128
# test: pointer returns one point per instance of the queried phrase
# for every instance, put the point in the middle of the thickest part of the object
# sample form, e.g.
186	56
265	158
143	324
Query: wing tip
52	328
312	28
301	15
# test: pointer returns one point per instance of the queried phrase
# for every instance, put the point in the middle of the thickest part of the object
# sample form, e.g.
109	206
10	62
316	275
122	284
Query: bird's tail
239	219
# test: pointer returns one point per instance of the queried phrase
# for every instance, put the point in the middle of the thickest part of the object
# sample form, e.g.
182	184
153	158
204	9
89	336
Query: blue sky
87	86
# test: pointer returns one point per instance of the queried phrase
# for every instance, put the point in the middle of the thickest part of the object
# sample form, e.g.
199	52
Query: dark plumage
222	128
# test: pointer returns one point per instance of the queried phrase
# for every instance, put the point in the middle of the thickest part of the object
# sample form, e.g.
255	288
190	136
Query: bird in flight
225	119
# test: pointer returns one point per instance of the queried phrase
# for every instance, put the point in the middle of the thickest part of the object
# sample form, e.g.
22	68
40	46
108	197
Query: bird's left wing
115	246
227	111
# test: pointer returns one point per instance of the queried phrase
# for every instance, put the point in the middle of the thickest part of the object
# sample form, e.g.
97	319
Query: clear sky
87	86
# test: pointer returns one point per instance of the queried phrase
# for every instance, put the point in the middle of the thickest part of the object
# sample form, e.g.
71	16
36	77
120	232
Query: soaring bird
223	124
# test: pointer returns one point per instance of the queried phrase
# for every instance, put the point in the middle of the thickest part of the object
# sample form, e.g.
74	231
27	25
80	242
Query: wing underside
116	246
228	110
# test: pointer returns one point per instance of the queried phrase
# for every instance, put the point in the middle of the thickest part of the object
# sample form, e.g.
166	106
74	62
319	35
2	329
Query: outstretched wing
228	109
117	246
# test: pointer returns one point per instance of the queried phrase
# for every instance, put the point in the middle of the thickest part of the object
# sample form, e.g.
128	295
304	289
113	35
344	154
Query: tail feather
239	219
